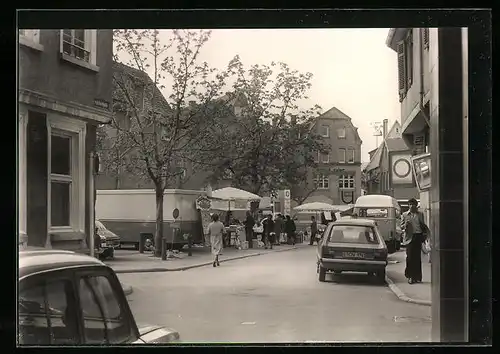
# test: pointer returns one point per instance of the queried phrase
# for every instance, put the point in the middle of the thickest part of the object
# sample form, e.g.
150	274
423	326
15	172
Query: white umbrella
315	207
230	193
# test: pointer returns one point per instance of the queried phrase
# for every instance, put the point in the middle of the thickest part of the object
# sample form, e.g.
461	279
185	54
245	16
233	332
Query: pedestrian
290	229
415	233
249	224
278	227
215	231
314	230
268	229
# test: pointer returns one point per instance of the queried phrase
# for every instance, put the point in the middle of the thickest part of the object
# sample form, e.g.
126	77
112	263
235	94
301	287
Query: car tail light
380	254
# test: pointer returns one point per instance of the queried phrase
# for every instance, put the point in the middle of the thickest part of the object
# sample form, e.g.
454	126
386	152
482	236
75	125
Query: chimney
384	128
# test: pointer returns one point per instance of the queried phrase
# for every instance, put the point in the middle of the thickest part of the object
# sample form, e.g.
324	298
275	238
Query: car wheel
322	274
381	276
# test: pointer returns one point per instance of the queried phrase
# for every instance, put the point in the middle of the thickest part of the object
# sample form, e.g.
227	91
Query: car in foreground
352	245
66	298
109	241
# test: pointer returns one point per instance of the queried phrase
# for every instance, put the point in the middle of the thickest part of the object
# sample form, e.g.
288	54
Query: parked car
109	241
66	298
352	245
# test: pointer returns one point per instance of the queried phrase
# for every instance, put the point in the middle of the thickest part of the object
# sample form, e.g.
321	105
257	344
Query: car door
104	313
47	310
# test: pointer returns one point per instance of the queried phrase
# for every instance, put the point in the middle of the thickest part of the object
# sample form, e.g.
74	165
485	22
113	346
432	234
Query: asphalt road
275	298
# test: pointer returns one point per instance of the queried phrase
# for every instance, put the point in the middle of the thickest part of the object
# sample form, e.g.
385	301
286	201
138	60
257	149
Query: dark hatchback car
67	298
352	245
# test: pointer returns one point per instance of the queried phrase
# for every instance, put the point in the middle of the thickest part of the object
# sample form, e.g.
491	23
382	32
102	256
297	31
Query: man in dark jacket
249	224
290	230
415	233
268	226
314	230
278	228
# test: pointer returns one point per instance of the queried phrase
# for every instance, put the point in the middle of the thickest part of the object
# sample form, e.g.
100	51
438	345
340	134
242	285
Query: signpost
175	225
287	208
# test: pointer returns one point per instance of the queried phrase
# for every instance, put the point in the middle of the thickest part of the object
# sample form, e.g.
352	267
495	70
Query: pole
91	205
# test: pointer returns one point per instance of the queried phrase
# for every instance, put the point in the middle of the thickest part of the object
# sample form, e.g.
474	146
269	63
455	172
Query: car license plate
104	244
353	255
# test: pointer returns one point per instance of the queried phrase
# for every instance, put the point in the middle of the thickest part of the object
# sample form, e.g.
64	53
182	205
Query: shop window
104	321
346	182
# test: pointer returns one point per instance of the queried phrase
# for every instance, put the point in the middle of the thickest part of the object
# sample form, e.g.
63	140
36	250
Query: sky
353	68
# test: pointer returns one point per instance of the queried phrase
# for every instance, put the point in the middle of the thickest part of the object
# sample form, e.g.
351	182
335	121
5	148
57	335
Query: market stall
316	209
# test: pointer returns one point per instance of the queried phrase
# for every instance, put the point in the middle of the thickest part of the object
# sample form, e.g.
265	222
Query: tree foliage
269	139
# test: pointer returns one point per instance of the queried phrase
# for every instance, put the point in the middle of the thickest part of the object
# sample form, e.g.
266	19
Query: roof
375	161
355	221
34	261
364	165
396	144
334	113
375	201
394	36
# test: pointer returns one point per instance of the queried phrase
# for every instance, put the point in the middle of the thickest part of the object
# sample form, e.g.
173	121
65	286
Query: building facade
389	170
64	92
337	178
433	91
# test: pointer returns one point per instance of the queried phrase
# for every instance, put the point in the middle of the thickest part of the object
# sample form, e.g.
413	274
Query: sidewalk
419	293
134	262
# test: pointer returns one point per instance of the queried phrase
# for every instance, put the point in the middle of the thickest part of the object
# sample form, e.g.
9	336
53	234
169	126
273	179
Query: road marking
248	323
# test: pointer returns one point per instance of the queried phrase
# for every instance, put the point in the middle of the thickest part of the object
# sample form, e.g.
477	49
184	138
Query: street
275	298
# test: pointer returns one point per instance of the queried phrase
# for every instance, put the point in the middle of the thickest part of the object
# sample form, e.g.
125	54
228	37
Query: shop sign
101	103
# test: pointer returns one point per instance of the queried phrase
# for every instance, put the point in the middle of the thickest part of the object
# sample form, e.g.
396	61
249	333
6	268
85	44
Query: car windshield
99	226
352	234
373	212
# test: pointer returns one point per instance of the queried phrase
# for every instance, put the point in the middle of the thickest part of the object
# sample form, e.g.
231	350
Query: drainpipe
91	203
422	92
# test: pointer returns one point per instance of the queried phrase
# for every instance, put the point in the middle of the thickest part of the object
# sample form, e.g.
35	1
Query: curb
198	265
401	296
127	289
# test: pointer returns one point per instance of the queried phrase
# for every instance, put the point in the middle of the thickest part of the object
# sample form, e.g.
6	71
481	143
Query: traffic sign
175	213
287	193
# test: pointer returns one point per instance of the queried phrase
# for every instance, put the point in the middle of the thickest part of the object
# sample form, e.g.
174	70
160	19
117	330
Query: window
317	156
325	157
79	44
325	131
322	181
341	155
373	213
352	234
66	187
350	155
45	317
346	182
341	133
405	64
104	321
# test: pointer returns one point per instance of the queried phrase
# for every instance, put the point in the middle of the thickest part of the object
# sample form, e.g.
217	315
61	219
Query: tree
270	138
160	132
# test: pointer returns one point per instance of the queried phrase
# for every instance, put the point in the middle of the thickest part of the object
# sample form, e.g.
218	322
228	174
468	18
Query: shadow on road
351	278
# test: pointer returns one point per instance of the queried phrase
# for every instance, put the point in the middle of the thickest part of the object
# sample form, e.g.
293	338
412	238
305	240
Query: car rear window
352	234
380	213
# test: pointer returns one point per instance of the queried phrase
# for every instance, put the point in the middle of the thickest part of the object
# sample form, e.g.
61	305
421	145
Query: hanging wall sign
421	166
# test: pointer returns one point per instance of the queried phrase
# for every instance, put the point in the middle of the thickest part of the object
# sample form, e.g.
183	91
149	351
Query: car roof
355	222
376	201
36	261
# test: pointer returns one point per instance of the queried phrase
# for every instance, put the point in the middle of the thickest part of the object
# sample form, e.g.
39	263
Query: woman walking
215	231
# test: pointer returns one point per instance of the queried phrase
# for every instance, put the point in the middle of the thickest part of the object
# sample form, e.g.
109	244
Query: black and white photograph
248	185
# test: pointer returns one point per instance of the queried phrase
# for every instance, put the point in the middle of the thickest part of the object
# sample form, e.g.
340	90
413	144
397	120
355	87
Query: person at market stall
215	230
290	229
278	228
268	225
249	224
314	230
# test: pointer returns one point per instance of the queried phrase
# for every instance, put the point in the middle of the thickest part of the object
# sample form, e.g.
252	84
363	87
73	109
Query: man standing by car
415	233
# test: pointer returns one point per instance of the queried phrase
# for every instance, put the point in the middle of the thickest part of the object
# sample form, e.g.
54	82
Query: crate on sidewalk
244	245
255	243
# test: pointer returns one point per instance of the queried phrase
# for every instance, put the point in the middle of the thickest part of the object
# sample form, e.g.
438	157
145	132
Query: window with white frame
350	155
341	155
325	157
80	44
322	181
66	187
325	131
341	133
346	181
317	156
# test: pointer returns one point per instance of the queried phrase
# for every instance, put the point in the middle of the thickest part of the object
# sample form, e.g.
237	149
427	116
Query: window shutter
425	36
409	57
401	70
